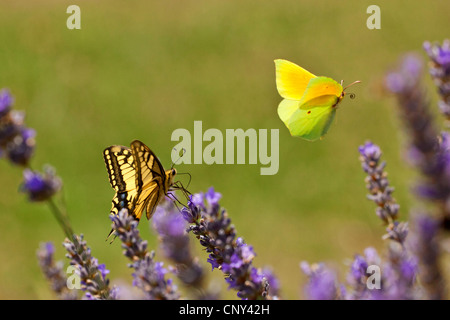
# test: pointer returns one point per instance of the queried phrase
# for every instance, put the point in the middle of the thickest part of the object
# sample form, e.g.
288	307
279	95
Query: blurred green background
141	69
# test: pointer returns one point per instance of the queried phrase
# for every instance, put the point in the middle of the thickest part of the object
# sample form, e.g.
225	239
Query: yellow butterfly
138	178
310	102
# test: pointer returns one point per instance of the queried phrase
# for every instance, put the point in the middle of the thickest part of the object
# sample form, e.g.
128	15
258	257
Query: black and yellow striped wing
121	169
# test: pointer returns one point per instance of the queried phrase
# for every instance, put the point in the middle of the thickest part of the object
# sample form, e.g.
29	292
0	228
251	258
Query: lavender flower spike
54	272
381	193
212	226
148	275
377	182
92	275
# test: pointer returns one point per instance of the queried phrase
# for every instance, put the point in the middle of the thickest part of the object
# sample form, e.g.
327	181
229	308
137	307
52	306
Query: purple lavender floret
212	197
397	231
211	225
148	275
40	187
358	269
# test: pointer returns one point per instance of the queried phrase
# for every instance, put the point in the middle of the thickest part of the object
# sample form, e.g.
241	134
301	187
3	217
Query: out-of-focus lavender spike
424	244
92	275
429	148
148	275
171	228
54	272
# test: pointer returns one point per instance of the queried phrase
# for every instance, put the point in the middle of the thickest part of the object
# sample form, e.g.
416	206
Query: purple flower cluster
54	272
439	67
148	275
92	274
16	141
40	187
211	225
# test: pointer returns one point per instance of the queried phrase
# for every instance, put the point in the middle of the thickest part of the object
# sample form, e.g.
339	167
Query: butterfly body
309	103
138	178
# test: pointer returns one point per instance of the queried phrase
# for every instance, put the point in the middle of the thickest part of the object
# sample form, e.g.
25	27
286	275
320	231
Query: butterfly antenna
354	82
183	151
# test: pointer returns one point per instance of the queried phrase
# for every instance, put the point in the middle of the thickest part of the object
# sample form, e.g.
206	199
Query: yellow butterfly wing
312	123
291	79
318	90
150	179
286	109
121	170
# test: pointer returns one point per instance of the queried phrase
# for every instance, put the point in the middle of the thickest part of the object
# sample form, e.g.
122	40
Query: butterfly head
170	175
352	95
